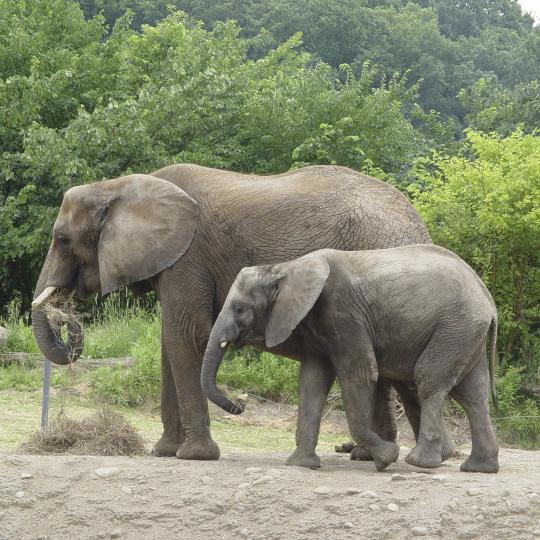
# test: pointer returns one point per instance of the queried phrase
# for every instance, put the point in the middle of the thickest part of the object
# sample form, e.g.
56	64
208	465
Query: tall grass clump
261	373
117	325
20	337
517	419
140	384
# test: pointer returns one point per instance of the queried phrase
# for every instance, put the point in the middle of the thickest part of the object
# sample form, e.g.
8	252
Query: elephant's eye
62	240
238	309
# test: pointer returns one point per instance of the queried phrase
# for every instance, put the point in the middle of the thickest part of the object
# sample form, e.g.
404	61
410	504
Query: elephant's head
109	234
264	305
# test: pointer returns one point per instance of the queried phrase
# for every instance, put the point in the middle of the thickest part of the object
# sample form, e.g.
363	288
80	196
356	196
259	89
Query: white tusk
43	296
223	344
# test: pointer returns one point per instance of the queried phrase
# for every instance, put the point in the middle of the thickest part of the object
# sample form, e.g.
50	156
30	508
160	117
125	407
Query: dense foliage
487	209
440	97
447	44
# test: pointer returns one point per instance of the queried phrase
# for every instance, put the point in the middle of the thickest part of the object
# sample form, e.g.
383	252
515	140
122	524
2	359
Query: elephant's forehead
74	206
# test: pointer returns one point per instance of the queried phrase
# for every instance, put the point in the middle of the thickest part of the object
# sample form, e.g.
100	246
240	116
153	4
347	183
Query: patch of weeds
261	373
518	418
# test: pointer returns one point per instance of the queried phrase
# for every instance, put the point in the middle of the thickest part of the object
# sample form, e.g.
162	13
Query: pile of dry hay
105	433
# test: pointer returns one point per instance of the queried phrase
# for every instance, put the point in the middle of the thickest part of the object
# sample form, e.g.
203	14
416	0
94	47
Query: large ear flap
301	284
148	224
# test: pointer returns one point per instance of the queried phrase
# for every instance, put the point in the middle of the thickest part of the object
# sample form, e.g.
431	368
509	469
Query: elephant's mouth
52	311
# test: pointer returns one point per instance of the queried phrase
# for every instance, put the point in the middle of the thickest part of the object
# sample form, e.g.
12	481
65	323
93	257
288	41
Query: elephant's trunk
48	338
212	359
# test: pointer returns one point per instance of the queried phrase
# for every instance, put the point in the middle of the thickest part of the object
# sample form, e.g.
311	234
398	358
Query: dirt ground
250	493
255	496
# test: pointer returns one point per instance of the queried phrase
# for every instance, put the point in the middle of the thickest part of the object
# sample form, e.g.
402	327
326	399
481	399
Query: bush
518	418
484	205
262	374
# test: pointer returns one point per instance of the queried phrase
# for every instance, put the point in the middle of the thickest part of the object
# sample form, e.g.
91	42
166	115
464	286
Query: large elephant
185	231
418	314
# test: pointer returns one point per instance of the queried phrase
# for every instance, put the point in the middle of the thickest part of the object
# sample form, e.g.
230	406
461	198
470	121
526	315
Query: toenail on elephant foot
481	465
345	448
385	454
203	449
165	447
304	459
360	453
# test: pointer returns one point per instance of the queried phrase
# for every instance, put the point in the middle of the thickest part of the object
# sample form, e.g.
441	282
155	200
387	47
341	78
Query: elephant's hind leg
472	393
411	404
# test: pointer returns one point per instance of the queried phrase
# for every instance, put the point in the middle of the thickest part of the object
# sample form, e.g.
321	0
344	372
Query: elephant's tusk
223	344
43	296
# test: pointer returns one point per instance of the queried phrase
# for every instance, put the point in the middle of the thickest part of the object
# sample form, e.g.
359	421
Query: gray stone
243	532
439	477
27	475
262	480
536	532
127	490
369	494
253	470
19	494
107	472
396	477
322	490
393	507
475	491
374	507
419	531
116	533
348	525
352	491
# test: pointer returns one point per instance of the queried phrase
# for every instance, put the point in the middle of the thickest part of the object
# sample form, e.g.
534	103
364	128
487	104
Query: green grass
21	415
517	418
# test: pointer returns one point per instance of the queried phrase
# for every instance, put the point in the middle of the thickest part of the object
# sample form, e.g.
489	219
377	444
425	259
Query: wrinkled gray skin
187	237
416	314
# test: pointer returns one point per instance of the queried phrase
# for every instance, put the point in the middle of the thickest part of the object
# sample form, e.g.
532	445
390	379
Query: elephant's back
363	212
418	274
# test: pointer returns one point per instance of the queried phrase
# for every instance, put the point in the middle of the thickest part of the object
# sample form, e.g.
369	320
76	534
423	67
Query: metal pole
45	398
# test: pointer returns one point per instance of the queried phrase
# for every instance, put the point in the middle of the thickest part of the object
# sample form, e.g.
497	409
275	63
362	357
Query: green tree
485	206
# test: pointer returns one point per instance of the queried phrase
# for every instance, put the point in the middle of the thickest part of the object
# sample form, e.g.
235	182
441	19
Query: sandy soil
253	495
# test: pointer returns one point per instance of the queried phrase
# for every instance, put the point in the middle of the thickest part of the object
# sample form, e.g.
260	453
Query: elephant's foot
425	457
361	453
201	447
480	464
448	447
301	458
166	447
345	448
384	454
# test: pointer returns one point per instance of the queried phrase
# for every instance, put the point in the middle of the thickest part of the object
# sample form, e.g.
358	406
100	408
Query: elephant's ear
301	283
148	224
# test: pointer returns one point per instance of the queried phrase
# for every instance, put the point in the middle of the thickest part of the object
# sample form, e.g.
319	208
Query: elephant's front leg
173	434
316	378
187	304
383	421
358	401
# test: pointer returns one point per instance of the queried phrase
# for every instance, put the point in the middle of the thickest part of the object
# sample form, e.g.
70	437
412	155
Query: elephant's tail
492	358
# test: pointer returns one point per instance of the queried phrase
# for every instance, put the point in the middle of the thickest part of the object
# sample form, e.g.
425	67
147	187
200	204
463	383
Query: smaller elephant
417	315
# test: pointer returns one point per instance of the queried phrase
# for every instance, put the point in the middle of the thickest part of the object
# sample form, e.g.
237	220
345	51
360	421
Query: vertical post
45	398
